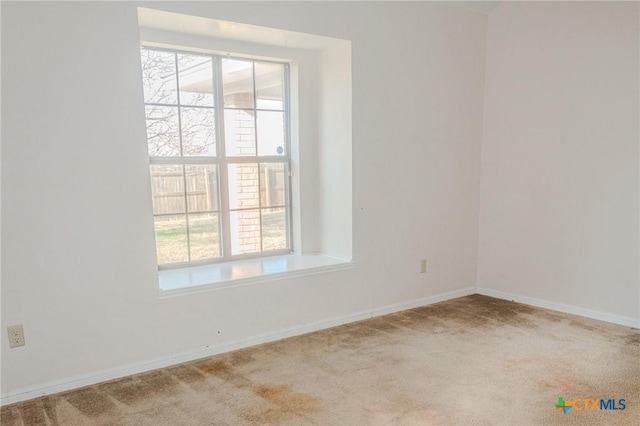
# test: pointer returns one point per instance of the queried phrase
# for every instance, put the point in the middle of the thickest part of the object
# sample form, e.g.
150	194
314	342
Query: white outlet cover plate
16	335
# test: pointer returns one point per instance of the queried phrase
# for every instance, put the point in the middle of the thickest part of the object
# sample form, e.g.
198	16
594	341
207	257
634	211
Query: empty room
320	212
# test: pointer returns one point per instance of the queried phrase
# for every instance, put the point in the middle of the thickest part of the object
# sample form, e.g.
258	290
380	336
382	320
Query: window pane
274	229
204	240
273	184
245	231
202	188
243	186
162	131
270	126
198	132
196	80
171	239
237	80
240	132
167	189
269	85
158	76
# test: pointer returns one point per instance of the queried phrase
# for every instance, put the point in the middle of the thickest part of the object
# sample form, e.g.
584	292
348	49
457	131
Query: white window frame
222	161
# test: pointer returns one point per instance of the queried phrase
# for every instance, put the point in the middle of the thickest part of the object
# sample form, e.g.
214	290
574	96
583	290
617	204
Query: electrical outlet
16	335
423	266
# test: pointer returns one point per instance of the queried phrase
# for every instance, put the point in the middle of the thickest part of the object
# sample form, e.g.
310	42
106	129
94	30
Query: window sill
217	276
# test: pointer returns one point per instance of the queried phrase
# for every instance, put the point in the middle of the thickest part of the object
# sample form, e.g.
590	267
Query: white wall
334	154
78	263
559	186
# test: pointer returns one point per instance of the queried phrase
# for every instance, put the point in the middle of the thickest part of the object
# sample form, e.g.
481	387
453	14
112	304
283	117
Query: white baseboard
422	302
97	377
561	307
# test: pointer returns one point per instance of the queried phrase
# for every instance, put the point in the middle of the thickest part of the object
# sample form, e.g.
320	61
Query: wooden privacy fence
168	188
169	191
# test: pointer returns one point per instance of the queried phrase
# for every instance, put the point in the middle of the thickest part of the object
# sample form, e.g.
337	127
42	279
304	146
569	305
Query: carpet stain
500	311
159	382
186	374
582	325
50	404
410	320
359	332
633	339
91	402
288	404
457	321
563	386
240	358
357	335
224	371
305	344
32	413
566	386
9	416
381	324
129	391
212	367
402	318
426	416
548	316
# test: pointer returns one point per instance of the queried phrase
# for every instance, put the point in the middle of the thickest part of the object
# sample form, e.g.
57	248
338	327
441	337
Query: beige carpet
469	361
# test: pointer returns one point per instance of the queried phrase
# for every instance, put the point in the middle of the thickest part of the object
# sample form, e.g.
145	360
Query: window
218	138
304	220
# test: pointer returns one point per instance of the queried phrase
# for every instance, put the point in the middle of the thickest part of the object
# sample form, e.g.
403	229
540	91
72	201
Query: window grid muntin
222	161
